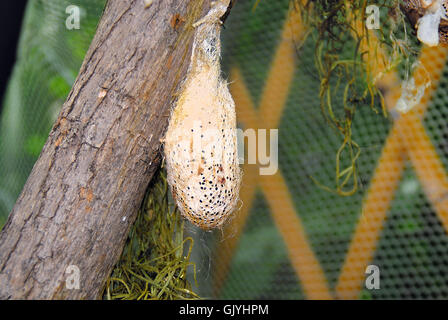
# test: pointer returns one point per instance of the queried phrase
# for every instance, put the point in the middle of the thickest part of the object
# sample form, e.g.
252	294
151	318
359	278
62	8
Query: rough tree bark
84	191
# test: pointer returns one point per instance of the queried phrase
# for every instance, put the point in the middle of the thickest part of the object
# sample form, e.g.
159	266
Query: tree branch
85	189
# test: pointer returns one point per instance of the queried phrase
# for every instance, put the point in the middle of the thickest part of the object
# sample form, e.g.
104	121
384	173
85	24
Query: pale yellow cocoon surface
201	142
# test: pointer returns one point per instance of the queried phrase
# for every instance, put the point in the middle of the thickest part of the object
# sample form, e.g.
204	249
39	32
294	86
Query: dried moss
156	256
348	80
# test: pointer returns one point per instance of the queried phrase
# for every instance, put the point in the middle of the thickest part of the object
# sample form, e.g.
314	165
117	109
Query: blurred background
292	238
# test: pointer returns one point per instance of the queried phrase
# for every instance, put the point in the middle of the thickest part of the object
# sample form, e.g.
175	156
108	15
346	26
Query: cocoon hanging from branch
201	142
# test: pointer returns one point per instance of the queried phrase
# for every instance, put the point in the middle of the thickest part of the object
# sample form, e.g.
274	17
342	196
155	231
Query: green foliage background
412	251
48	60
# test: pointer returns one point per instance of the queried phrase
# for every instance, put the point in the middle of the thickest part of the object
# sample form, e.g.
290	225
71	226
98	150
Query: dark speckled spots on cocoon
201	142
